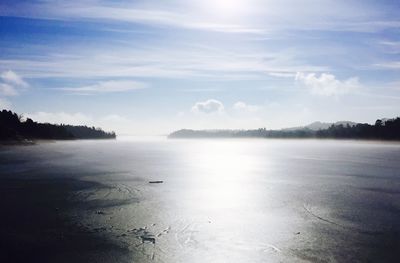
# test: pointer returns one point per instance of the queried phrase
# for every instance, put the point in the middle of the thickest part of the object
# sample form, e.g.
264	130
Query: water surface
229	200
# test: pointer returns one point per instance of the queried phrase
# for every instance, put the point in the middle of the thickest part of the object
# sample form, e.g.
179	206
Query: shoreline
26	142
285	139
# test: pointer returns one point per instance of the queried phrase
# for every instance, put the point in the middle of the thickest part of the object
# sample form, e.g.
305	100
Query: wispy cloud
258	17
391	47
389	65
169	62
282	74
140	14
108	87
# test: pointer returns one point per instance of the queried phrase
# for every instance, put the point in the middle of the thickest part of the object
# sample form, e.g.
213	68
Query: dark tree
13	128
382	130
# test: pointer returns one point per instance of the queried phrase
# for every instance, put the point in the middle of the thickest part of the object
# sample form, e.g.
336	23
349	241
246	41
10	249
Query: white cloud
11	83
108	87
239	105
327	84
7	90
208	106
12	78
9	86
243	107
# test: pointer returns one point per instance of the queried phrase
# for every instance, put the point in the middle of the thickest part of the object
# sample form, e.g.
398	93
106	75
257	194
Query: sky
151	67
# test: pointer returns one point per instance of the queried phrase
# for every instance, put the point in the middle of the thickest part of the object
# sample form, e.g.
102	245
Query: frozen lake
226	200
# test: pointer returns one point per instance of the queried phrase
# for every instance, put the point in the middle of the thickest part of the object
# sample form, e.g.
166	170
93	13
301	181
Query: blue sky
151	67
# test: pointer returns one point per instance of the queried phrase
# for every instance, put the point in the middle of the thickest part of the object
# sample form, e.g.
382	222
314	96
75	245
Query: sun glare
228	5
225	8
221	168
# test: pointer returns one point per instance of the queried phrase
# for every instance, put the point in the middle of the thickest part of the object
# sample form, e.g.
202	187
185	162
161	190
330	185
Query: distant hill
386	129
317	125
12	128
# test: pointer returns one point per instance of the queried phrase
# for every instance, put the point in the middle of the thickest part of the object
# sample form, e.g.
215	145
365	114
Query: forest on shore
14	128
383	129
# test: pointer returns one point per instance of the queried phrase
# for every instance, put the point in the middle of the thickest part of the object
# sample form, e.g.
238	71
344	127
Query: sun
230	6
225	8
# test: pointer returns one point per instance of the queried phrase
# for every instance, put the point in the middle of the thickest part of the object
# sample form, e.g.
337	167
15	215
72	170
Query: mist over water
230	200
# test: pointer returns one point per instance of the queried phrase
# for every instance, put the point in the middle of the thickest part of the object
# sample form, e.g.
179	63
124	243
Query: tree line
13	127
385	129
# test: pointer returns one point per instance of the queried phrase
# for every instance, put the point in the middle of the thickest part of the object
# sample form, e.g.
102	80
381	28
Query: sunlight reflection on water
240	200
